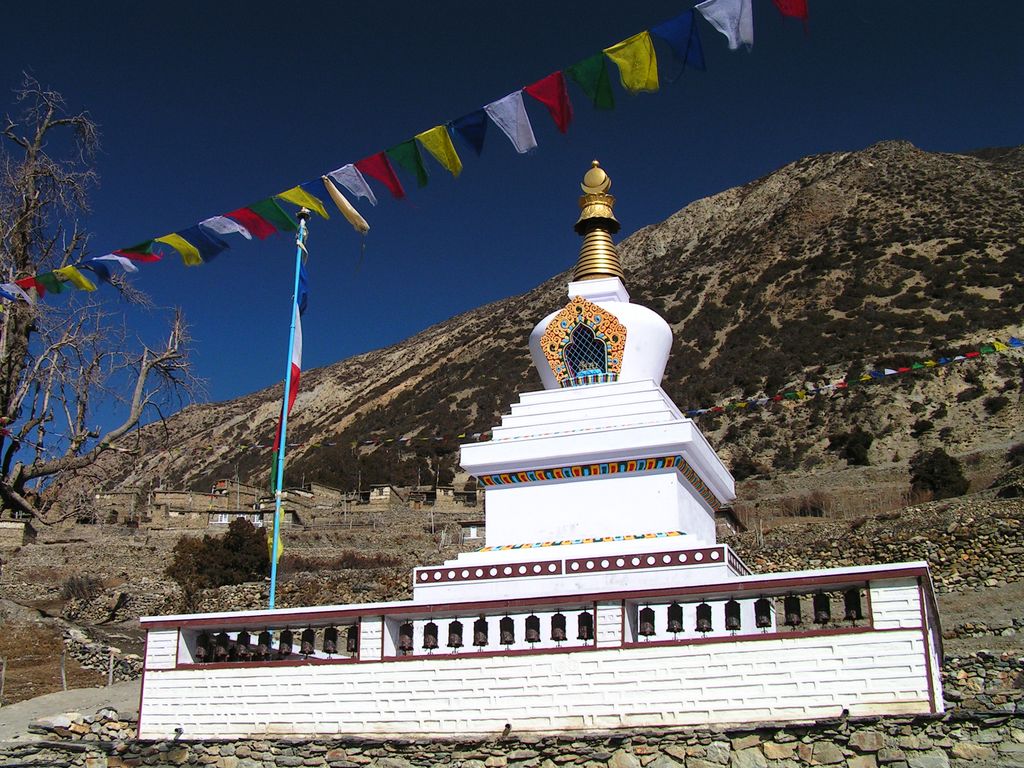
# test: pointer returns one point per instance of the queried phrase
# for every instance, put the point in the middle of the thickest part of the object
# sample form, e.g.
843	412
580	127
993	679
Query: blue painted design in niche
585	355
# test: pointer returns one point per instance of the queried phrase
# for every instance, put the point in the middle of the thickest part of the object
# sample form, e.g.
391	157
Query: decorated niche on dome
583	344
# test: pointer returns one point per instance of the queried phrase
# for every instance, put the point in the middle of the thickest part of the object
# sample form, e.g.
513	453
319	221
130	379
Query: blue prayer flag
99	269
207	243
682	36
303	297
472	128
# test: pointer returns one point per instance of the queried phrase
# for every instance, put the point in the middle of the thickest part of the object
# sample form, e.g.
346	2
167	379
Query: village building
600	599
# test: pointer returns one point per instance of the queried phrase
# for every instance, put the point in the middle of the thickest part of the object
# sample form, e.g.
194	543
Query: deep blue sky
205	107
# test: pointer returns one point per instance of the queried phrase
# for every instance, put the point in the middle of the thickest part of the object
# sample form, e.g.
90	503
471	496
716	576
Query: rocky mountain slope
829	266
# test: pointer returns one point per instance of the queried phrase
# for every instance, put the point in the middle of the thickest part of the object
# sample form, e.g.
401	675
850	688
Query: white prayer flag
222	225
733	18
509	114
17	290
351	179
126	263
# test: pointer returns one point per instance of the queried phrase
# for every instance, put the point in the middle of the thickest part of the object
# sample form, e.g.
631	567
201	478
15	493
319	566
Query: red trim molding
427	576
642	560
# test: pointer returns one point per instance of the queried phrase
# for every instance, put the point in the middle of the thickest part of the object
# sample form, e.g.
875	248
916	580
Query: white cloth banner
17	290
126	263
733	18
222	225
509	114
351	179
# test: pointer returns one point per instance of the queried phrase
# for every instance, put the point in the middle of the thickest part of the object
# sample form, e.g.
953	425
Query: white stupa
601	600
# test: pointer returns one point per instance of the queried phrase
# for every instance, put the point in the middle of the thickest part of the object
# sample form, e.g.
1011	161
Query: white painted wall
610	505
780	679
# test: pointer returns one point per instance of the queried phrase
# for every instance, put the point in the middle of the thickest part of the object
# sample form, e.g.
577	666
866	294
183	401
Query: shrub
852	446
743	467
920	427
995	404
238	556
1016	455
81	588
938	473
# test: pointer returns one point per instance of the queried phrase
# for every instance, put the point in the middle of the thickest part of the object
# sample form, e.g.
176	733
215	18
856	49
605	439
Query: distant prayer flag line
809	391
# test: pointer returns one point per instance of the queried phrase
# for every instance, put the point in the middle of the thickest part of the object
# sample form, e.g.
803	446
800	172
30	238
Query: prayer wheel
308	642
558	628
763	613
242	643
430	636
532	629
204	650
647	622
791	607
284	647
263	644
704	618
330	641
851	605
507	631
732	616
405	638
822	609
585	625
352	639
455	635
221	647
480	632
675	618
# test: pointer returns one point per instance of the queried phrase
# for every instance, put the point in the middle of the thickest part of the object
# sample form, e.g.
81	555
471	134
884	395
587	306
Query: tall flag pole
290	391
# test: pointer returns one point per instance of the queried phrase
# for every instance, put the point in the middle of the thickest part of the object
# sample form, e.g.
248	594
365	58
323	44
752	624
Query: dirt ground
33	663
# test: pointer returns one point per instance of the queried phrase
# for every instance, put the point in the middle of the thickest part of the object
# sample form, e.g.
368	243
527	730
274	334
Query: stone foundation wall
978	739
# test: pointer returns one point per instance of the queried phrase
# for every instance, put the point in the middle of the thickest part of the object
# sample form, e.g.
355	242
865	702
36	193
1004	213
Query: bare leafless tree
60	359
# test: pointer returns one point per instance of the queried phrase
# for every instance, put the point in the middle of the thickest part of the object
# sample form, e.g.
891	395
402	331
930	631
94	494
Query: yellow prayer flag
346	208
76	278
270	543
302	198
999	346
438	143
637	62
930	363
189	253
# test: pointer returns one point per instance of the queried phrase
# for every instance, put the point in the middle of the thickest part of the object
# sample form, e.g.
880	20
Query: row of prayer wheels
220	647
792	612
506	632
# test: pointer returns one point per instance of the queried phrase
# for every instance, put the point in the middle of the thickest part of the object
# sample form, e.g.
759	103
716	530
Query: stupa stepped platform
785	646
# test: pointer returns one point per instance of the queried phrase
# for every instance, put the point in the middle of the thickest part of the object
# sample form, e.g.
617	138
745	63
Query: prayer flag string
637	64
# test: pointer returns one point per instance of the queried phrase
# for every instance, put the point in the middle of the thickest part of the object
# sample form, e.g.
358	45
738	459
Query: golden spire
597	223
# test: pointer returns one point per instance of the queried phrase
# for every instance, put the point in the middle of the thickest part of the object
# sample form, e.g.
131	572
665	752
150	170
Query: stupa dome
599	336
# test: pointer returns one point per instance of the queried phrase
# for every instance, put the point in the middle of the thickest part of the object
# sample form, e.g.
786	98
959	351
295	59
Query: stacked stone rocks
93	655
977	739
970	543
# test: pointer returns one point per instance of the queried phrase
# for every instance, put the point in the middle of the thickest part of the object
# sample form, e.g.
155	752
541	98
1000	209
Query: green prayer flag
916	366
987	349
275	214
592	76
50	282
407	155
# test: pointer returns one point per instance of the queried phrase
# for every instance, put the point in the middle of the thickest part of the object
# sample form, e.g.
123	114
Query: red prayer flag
796	9
552	93
30	282
138	256
252	221
379	168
